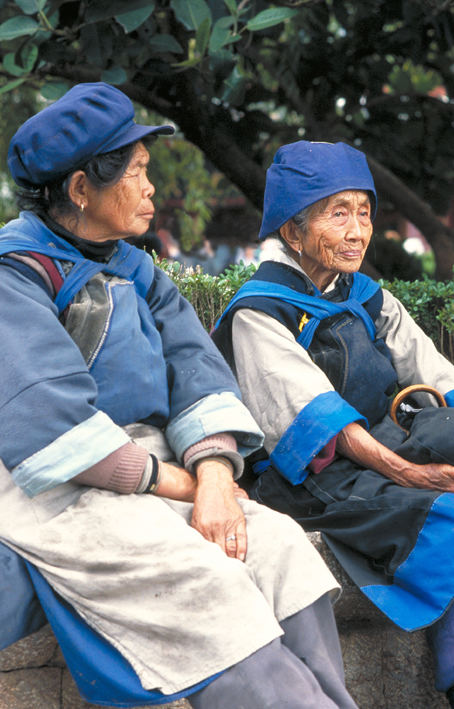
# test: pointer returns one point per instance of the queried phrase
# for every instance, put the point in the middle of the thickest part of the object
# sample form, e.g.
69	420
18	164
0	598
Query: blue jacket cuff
215	413
70	454
309	432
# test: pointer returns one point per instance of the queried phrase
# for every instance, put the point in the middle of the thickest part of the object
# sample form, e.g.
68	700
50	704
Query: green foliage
270	18
181	176
428	263
208	294
18	27
431	304
131	20
34	19
241	77
409	78
15	107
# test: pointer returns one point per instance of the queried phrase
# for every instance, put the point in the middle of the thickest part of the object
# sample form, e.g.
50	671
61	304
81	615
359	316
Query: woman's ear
78	189
291	235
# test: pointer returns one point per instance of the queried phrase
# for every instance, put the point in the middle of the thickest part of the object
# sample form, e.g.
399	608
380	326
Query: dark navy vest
343	344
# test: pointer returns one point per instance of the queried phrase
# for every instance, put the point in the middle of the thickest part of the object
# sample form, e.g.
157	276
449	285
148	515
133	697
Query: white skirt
174	605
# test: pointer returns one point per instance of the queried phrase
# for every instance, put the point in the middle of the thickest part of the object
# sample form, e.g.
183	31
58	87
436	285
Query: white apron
175	606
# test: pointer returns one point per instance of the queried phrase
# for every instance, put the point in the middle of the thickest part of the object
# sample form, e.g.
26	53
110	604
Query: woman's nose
355	228
149	189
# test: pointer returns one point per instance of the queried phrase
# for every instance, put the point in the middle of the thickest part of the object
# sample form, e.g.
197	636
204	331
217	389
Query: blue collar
363	288
29	233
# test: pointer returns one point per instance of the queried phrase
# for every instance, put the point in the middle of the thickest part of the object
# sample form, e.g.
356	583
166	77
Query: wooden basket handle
398	399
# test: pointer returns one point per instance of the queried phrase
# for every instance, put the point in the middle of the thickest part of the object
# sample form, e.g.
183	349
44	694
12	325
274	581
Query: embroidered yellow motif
304	320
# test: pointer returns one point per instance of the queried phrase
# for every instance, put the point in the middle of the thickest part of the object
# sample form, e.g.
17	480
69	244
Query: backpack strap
50	269
46	269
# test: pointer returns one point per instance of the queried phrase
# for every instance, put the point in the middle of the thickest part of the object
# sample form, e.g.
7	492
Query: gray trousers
302	669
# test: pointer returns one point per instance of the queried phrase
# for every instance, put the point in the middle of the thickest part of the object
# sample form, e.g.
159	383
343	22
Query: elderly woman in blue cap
330	347
122	434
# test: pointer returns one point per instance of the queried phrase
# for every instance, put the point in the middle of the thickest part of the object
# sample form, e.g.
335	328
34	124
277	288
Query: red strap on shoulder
51	269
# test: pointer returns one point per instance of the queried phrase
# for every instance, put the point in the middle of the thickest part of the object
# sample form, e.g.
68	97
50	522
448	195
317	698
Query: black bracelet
154	478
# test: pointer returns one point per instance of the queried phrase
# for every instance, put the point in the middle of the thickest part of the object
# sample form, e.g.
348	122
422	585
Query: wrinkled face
337	238
124	209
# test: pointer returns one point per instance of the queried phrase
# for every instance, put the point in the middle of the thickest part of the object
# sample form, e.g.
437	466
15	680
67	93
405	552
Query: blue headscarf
302	173
90	119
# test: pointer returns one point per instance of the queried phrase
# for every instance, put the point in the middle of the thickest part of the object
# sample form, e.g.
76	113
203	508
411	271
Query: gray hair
301	219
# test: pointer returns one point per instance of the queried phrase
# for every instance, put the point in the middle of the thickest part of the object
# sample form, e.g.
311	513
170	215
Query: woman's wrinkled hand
239	492
431	476
176	483
217	514
357	444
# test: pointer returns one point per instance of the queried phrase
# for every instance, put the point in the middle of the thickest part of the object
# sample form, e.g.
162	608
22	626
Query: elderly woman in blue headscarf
122	434
319	350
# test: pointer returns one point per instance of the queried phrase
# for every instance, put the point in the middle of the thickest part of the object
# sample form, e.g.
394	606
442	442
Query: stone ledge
385	667
352	604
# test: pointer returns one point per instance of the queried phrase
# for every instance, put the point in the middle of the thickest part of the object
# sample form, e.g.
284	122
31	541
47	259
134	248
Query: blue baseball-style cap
302	173
90	119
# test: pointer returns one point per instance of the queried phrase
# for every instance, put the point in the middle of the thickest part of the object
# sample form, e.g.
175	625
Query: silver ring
230	538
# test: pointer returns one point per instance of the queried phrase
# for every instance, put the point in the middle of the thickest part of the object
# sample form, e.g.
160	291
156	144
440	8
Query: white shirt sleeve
277	377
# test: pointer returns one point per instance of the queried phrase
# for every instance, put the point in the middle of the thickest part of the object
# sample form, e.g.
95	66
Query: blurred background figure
250	253
170	248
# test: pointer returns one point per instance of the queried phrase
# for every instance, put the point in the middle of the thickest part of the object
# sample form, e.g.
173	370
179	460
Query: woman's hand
357	444
217	514
176	483
432	476
239	492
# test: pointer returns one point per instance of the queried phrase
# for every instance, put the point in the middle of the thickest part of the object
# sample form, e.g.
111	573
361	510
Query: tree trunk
407	203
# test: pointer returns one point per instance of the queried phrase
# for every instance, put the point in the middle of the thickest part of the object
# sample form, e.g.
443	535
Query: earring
82	207
300	253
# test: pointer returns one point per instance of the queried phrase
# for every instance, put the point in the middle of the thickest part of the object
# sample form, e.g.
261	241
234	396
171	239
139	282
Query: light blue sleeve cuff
449	398
216	413
70	454
309	432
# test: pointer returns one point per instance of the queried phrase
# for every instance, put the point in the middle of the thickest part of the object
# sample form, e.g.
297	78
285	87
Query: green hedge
429	302
208	294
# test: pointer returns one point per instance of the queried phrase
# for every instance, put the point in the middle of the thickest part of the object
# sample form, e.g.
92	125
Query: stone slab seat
386	668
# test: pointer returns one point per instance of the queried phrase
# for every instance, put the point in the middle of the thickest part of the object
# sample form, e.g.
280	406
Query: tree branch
223	148
419	213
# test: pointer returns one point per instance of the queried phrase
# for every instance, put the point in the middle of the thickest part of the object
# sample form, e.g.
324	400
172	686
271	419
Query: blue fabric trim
363	288
309	432
103	676
260	466
20	611
423	585
29	233
215	413
128	263
70	454
80	274
449	398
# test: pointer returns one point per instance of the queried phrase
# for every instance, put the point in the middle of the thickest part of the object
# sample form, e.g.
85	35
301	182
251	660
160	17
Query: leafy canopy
241	77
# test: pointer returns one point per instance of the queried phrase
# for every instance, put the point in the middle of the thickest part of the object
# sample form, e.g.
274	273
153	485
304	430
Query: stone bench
385	667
